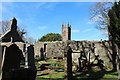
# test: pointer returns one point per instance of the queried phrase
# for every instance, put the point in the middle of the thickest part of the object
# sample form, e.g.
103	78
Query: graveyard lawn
55	71
96	75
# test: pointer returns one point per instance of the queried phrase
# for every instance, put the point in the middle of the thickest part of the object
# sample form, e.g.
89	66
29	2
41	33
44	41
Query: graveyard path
50	68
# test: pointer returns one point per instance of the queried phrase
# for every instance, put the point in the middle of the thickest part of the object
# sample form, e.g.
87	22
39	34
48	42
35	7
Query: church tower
66	32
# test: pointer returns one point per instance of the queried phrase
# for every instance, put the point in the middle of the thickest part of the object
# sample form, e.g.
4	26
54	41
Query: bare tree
21	32
99	14
30	40
5	25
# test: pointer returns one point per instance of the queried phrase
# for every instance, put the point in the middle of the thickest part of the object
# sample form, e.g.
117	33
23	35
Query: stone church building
66	32
13	50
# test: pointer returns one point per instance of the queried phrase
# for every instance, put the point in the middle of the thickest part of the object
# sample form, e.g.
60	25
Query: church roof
11	35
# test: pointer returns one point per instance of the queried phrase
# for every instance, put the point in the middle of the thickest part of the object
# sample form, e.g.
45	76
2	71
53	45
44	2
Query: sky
40	18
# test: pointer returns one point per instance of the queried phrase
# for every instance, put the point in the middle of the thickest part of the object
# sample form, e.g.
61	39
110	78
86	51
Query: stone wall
19	44
12	55
94	48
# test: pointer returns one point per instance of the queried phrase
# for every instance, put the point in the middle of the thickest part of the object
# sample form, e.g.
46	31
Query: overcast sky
40	18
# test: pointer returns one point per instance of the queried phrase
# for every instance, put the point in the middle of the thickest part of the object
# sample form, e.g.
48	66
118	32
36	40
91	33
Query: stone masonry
12	52
57	49
12	34
66	32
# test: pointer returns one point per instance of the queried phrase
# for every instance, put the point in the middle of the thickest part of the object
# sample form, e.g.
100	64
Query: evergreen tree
114	30
51	37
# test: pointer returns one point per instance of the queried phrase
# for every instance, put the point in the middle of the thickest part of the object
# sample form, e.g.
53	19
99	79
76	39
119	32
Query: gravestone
12	59
26	55
41	53
31	61
68	63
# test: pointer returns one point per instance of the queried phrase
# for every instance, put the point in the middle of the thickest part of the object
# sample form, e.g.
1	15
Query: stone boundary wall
19	44
57	49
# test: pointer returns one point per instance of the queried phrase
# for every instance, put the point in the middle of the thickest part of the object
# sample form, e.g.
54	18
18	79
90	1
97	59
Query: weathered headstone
26	55
31	61
11	60
68	63
41	53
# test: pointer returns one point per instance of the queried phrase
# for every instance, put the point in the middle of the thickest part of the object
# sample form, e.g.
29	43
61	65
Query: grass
94	74
50	74
53	75
111	75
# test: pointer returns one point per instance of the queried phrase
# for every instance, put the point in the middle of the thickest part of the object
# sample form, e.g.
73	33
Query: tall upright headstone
68	63
66	32
31	61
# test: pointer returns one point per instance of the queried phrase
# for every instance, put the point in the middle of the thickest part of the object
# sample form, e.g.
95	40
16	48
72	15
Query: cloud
7	8
40	4
1	11
87	30
45	5
58	0
75	30
51	5
7	0
42	27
